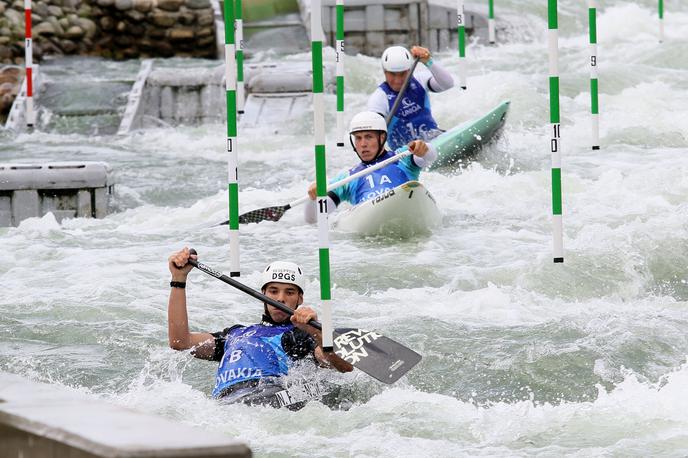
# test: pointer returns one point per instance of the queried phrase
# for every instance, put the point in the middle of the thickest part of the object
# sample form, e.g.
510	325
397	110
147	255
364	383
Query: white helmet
283	272
367	120
396	59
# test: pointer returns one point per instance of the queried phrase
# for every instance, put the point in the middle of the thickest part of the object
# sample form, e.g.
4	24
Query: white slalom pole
461	32
339	50
317	38
594	87
28	62
491	23
555	126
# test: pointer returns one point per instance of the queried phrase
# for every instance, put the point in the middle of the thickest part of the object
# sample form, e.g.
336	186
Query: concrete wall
370	26
43	421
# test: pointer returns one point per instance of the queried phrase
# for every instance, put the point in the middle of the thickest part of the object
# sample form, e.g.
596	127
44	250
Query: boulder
163	18
187	18
106	23
205	18
124	5
68	46
143	5
170	5
74	33
44	28
198	4
90	28
41	9
55	11
181	34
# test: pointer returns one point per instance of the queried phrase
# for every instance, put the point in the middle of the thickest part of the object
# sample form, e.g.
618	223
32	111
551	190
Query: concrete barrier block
354	20
443	39
187	104
152	101
66	189
167	104
59	423
5	209
25	204
375	17
375	41
83	203
433	39
101	197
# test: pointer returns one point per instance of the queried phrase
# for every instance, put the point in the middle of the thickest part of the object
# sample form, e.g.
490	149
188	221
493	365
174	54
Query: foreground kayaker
253	359
413	119
367	134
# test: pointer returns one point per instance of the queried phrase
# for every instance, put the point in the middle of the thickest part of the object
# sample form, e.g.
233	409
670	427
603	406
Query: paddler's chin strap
267	319
381	138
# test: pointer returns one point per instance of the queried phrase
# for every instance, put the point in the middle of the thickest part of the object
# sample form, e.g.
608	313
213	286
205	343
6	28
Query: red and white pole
28	62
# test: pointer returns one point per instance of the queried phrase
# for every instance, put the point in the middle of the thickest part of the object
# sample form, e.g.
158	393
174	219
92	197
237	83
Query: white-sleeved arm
377	102
310	210
428	159
441	79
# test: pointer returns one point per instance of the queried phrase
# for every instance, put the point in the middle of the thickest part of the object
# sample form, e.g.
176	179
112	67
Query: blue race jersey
413	119
258	351
377	182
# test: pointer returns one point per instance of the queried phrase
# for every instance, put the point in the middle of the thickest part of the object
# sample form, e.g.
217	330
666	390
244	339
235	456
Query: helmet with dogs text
283	272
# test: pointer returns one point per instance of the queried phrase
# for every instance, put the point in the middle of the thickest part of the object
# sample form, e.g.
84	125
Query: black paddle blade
376	355
263	214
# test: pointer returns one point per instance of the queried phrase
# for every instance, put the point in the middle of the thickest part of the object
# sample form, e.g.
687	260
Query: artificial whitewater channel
521	356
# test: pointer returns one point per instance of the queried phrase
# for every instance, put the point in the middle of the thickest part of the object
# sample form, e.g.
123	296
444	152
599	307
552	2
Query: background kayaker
367	134
252	358
413	119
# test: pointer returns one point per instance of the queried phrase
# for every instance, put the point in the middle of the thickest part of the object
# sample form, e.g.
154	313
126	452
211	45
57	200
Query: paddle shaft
356	175
402	91
250	291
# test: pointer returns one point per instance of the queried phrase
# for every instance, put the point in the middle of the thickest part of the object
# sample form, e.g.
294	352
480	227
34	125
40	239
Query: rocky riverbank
118	29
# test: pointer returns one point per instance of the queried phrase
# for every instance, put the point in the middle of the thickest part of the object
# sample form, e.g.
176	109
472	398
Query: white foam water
521	356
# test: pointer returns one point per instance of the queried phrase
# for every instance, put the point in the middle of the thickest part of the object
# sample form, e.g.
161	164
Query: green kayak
467	138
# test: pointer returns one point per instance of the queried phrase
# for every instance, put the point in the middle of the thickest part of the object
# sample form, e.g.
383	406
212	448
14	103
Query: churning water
521	356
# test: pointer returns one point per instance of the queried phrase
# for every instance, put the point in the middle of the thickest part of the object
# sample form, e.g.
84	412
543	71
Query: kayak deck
467	138
404	211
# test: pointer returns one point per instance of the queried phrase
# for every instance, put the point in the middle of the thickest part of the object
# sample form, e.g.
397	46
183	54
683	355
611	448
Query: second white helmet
283	272
367	120
396	59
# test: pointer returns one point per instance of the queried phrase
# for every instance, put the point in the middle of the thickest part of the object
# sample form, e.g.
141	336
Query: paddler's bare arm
180	338
300	318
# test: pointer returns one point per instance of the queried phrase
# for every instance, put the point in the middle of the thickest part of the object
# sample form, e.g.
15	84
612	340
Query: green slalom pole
461	32
233	186
491	23
660	12
339	50
594	102
317	38
555	140
238	20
